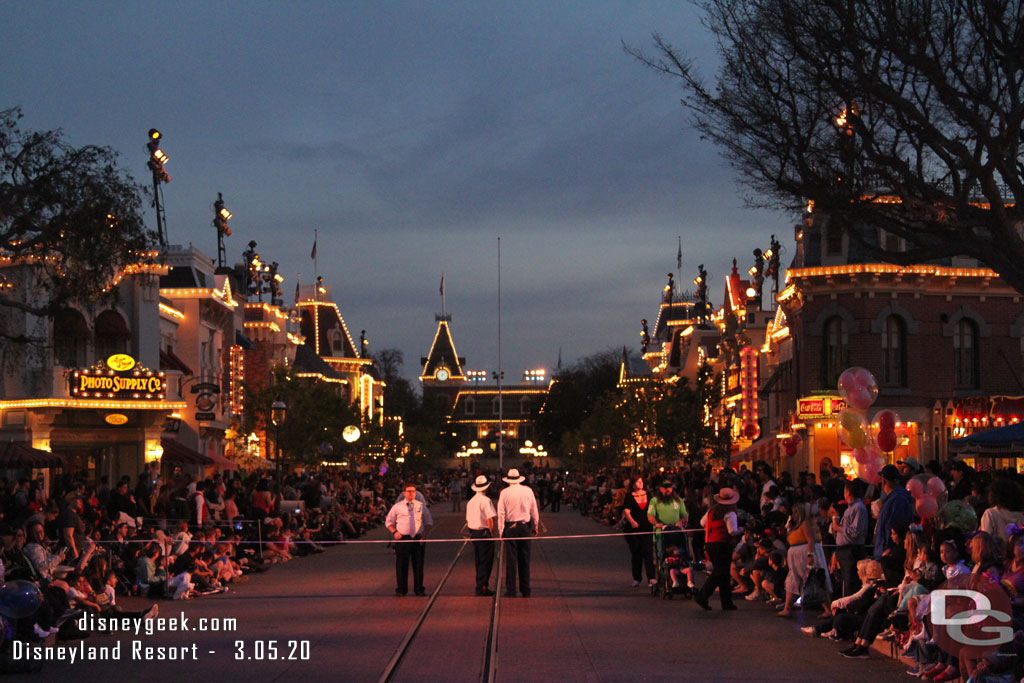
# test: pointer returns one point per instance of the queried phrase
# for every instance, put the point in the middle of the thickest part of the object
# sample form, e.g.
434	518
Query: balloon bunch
791	444
929	494
859	389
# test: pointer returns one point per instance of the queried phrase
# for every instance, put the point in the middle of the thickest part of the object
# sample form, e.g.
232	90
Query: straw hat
481	484
513	477
727	496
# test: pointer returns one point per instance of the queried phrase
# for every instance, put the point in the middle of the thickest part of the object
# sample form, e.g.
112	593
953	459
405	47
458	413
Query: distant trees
316	415
905	116
595	422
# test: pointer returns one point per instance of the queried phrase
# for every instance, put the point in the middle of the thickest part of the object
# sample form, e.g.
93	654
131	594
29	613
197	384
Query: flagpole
442	296
501	426
679	268
316	257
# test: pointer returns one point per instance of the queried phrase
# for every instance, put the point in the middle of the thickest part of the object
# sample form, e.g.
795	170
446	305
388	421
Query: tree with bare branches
903	115
70	216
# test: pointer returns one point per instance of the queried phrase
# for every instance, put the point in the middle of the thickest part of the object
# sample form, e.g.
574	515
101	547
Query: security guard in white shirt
407	521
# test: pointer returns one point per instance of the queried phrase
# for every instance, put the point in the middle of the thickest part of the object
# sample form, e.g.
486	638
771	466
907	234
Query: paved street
583	623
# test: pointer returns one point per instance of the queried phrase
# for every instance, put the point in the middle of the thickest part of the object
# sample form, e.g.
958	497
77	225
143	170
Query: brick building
944	340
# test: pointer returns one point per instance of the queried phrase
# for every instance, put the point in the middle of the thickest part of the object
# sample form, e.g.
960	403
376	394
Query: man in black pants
518	519
851	534
480	516
408	520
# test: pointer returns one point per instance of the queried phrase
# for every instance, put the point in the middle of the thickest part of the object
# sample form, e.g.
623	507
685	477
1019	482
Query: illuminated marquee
102	381
748	377
818	407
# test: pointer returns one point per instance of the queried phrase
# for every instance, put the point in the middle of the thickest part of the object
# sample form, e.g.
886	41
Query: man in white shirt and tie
480	516
518	519
408	520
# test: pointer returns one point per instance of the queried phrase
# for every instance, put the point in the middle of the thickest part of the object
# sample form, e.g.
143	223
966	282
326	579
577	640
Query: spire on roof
442	352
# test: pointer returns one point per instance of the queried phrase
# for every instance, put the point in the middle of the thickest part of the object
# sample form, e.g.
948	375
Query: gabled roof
632	368
442	352
308	362
319	318
671	315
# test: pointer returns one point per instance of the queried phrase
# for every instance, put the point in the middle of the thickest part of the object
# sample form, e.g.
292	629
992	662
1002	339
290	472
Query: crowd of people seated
86	546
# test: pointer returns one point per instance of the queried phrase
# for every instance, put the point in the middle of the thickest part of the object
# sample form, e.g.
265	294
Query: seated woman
848	612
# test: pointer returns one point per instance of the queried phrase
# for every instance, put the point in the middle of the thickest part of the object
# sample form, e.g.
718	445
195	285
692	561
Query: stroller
671	553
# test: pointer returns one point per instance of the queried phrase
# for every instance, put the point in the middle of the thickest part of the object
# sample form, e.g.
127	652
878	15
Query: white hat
481	484
513	477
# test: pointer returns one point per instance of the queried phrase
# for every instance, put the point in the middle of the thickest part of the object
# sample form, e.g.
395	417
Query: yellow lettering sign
120	362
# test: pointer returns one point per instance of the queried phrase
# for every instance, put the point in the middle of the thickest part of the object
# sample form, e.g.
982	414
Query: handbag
814	591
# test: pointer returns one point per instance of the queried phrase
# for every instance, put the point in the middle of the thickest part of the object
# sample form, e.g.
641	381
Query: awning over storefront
170	361
18	456
222	463
1001	442
243	341
766	448
175	451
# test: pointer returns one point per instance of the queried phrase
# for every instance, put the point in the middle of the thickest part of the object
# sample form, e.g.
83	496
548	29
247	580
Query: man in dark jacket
898	506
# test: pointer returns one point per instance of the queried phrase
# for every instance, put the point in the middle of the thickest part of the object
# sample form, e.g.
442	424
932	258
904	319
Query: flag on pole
312	254
442	285
297	281
679	255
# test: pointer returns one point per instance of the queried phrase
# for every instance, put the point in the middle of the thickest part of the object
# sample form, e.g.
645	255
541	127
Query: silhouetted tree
904	115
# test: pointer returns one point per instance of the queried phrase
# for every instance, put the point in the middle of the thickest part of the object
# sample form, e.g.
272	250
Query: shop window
894	338
965	354
470	406
524	405
112	334
70	339
836	350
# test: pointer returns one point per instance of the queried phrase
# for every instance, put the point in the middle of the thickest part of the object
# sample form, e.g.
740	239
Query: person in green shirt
667	508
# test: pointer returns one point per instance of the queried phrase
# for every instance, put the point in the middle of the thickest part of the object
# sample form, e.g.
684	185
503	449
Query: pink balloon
868	472
935	486
916	488
860	398
860	455
927	507
863	377
887	420
796	438
858	387
886	440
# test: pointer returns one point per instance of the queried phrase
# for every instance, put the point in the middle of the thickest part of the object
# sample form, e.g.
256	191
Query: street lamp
277	414
221	216
157	159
